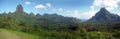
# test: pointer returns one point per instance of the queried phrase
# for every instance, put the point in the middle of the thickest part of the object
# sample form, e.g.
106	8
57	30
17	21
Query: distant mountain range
104	17
49	21
101	17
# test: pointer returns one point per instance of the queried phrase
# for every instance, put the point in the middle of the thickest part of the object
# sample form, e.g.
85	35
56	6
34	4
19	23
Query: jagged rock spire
19	8
104	10
102	13
104	17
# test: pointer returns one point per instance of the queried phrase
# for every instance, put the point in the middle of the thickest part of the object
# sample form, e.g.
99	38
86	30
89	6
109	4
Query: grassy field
9	34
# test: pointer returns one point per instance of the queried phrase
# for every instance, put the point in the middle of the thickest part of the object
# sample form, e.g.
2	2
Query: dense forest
103	25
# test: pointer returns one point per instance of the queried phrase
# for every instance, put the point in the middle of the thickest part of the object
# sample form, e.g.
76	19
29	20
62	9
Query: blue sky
82	9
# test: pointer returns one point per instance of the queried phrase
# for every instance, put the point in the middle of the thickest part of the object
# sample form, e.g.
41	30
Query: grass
10	34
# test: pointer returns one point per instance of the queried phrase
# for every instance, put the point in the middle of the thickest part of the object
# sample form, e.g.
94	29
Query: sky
81	9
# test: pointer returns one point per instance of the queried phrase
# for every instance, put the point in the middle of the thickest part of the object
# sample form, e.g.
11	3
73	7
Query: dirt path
8	35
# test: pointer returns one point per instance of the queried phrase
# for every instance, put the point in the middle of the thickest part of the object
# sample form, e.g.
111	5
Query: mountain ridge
103	16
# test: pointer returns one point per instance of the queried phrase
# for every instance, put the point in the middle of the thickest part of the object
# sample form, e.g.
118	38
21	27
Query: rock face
104	17
19	8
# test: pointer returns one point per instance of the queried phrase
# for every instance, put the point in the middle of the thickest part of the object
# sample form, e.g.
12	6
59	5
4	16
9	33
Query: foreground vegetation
79	33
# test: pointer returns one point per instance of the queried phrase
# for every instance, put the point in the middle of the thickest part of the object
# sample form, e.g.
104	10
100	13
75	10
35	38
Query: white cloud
60	9
40	6
27	3
118	13
68	11
48	4
88	15
82	15
57	10
54	10
109	4
73	14
97	2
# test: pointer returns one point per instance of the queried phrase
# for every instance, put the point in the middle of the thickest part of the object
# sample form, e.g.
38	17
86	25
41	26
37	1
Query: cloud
27	3
97	2
74	14
48	4
60	9
118	13
57	10
88	15
40	6
82	15
109	4
54	10
68	11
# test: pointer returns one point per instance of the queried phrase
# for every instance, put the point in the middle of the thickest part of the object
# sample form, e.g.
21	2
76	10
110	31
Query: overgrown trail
8	34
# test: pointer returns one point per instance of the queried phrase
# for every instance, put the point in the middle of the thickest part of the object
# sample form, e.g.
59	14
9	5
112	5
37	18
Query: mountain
104	17
19	8
55	21
22	19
